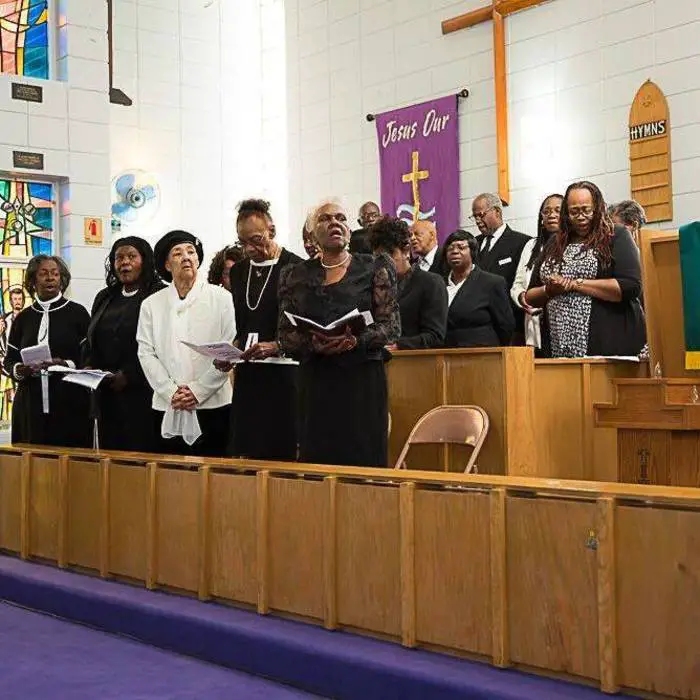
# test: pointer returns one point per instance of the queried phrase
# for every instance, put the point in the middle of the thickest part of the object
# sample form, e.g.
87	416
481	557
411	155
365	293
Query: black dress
264	404
614	328
480	315
344	398
67	423
125	418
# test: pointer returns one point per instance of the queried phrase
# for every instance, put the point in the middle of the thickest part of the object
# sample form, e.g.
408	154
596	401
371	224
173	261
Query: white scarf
42	338
43	335
178	422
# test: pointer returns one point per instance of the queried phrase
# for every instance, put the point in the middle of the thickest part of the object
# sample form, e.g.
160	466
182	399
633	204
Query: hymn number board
650	153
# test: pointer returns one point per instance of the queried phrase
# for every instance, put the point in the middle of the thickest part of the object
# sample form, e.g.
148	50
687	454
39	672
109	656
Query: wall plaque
30	161
28	93
650	153
93	231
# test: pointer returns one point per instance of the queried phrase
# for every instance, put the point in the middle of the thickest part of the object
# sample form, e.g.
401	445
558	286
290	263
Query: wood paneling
552	581
177	538
452	569
128	527
415	386
10	502
368	558
479	379
644	456
298	510
84	513
233	537
43	508
684	459
663	301
658	570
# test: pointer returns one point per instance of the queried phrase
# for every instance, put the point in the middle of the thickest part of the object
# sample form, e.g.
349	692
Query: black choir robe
480	315
67	424
423	309
125	417
264	405
502	260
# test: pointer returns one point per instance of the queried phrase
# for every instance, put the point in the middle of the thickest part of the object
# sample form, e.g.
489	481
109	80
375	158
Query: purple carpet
330	664
43	658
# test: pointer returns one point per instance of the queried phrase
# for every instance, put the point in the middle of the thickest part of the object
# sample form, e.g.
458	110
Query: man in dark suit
427	254
499	248
359	240
422	296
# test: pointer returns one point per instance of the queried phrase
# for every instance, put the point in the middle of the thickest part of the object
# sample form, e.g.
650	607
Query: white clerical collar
265	263
130	294
46	305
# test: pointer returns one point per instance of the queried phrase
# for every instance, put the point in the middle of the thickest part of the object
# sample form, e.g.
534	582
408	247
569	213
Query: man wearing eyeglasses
499	248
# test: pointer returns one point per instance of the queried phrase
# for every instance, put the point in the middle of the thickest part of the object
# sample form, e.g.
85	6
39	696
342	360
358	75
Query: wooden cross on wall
497	11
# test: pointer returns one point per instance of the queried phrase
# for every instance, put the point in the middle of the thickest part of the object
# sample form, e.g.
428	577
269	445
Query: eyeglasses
461	247
480	215
585	212
551	211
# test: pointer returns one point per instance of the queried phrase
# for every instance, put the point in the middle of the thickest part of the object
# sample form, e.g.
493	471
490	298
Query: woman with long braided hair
588	282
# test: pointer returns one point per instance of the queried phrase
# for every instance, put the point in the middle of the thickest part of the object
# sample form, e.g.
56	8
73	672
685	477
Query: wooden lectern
658	419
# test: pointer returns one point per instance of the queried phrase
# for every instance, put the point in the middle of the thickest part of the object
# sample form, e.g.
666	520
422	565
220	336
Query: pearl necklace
270	268
340	264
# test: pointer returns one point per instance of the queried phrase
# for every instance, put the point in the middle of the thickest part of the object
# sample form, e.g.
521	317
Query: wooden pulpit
658	419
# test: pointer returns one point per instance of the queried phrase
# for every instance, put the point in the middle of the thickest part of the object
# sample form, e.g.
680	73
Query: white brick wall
70	127
574	69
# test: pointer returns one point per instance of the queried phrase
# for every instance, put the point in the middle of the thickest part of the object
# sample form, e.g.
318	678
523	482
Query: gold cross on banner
497	11
414	177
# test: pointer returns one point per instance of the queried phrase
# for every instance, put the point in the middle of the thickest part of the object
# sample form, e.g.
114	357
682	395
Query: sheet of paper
216	351
88	379
276	361
35	354
347	319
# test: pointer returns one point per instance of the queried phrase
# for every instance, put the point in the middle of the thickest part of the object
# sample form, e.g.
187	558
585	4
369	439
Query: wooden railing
586	579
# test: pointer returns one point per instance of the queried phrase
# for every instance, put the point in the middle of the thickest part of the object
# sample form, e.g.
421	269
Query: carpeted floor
43	658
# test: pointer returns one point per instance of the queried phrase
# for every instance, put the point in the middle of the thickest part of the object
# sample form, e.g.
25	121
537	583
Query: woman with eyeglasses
264	389
548	225
480	313
589	283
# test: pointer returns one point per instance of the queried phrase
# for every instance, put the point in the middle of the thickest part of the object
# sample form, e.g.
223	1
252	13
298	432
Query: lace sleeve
292	341
386	328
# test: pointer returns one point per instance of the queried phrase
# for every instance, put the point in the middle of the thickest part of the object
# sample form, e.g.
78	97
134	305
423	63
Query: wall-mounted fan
135	197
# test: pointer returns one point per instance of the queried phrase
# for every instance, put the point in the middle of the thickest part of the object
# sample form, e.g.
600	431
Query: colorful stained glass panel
24	37
27	216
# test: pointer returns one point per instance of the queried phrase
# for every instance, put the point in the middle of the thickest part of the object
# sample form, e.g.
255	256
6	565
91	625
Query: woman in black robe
47	410
124	399
344	398
264	394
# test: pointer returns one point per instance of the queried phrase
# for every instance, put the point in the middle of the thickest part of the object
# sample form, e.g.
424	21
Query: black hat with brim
167	243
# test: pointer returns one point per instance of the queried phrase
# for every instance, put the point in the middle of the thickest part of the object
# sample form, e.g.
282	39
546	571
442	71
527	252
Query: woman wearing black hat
124	399
190	396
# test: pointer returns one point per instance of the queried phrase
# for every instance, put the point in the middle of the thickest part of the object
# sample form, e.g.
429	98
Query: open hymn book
356	320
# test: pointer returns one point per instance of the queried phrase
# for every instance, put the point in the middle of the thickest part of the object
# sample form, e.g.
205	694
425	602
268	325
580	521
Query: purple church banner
419	163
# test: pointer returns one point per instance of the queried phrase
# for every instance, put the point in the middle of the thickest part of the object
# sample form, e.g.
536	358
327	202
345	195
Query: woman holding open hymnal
337	312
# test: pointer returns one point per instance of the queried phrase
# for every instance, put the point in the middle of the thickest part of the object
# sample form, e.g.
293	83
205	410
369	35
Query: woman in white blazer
191	398
548	224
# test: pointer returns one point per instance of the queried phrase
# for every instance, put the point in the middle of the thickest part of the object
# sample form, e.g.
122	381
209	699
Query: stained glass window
27	216
24	37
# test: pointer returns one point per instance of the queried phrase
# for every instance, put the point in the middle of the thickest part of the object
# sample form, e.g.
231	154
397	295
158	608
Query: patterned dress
569	315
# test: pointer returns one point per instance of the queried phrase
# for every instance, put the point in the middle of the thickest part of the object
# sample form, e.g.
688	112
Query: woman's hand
183	399
557	285
117	381
532	310
23	371
260	351
333	345
223	365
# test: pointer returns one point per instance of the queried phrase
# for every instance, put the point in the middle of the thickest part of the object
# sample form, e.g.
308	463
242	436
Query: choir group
275	357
